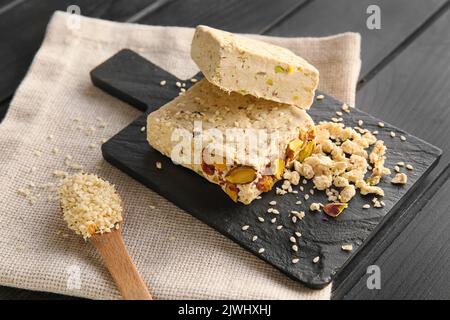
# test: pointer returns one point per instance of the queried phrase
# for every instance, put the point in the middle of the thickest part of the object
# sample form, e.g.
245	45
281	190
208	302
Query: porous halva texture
234	118
248	66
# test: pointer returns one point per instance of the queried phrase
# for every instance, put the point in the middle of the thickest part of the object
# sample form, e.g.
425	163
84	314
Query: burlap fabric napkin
58	118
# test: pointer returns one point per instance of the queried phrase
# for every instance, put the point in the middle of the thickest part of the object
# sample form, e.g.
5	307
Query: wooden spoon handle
116	258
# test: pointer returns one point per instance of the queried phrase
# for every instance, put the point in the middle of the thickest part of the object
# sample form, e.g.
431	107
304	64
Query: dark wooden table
405	79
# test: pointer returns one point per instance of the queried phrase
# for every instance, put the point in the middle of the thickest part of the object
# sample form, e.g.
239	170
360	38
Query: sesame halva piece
400	178
347	247
264	70
345	108
315	206
347	193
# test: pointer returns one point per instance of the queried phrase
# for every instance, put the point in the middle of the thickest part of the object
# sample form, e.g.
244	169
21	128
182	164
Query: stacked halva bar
242	125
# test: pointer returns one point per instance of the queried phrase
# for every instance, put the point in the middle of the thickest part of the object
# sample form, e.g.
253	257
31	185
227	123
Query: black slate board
135	80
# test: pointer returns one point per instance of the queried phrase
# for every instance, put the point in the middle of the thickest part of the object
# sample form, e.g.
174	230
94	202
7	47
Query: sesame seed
279	227
183	90
178	84
261	250
366	206
294	247
294	219
193	80
392	133
345	108
381	124
311	191
293	240
254	238
183	85
409	167
401	164
298	234
244	228
295	260
347	247
299	202
92	145
320	97
273	202
163	82
316	259
360	123
158	165
306	196
305	181
403	138
338	113
375	132
37	153
143	129
301	189
273	220
261	219
397	168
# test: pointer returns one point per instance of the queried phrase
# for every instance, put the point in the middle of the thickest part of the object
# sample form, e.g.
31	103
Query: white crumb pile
90	204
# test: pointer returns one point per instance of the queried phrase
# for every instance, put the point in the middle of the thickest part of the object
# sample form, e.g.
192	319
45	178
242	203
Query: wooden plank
399	19
22	30
232	15
412	92
415	266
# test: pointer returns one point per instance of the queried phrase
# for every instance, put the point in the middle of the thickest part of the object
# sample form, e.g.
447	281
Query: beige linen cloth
57	112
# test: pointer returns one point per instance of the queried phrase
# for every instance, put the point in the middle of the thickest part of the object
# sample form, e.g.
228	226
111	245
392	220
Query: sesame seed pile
90	204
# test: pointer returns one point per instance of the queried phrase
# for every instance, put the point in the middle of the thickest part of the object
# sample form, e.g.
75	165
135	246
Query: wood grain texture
232	15
413	91
399	19
22	30
122	269
415	265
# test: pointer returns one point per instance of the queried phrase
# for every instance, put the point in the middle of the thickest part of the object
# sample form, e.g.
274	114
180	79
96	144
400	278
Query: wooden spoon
111	247
82	187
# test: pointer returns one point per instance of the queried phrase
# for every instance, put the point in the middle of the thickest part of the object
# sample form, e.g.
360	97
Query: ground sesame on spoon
92	208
